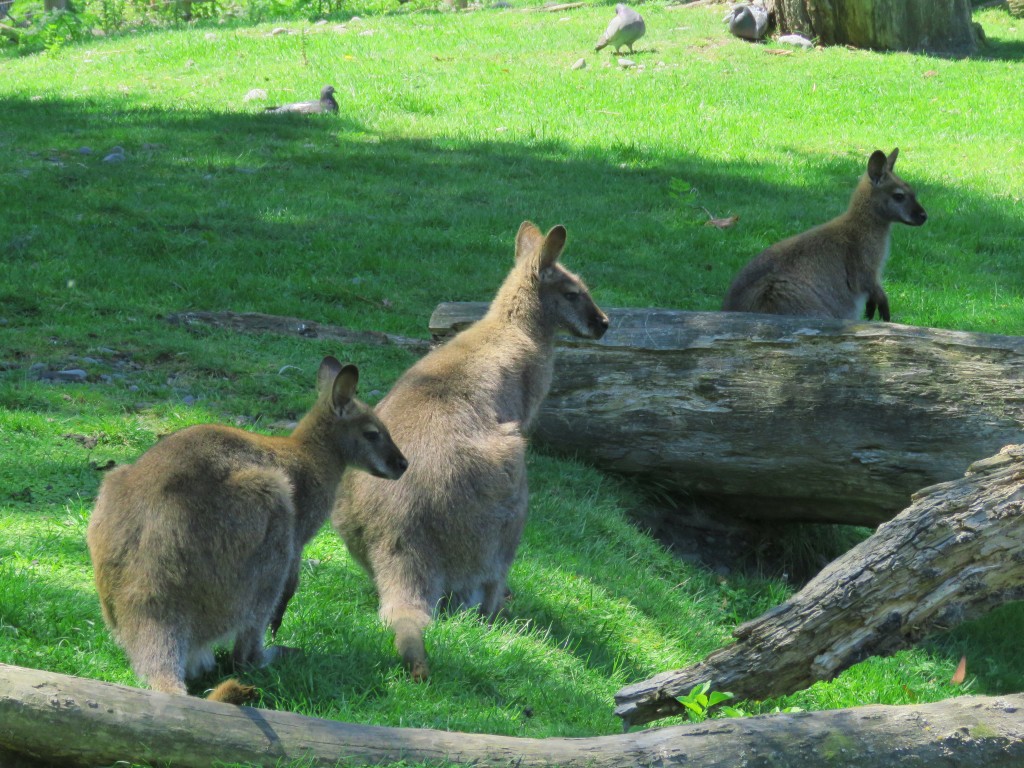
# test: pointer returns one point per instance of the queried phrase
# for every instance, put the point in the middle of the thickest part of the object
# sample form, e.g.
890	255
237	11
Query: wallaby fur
200	540
834	269
447	532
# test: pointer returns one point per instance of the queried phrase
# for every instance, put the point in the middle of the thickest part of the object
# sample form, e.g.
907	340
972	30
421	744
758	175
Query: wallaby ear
344	389
529	241
891	161
329	370
554	242
877	166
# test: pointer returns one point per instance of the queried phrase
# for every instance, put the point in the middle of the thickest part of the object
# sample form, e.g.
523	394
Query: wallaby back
835	269
200	540
448	530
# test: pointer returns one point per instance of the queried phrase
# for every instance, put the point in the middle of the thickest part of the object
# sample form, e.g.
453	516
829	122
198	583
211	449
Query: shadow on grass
323	218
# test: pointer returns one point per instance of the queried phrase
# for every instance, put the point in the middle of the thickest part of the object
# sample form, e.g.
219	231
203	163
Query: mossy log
954	554
771	417
48	719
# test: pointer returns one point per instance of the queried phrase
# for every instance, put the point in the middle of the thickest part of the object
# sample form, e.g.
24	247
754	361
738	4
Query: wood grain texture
956	553
767	416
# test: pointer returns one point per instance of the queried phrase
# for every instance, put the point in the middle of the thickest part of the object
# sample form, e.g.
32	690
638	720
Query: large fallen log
767	416
954	554
70	721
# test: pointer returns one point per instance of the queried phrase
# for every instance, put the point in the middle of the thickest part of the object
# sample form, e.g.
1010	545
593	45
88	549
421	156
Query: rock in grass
626	63
116	155
255	94
799	40
579	64
325	104
625	29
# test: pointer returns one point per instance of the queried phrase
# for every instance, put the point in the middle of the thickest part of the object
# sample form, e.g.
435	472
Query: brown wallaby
200	540
834	269
449	529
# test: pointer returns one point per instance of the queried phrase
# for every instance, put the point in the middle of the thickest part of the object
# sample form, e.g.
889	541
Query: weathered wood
766	416
257	322
941	26
75	722
954	554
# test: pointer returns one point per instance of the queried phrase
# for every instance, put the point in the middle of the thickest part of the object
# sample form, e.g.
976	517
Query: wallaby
200	540
834	269
447	532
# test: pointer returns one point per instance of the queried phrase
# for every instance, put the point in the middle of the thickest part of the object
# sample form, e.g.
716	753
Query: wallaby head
565	299
892	199
356	431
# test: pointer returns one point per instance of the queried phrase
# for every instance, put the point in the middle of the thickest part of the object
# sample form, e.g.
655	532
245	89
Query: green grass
453	129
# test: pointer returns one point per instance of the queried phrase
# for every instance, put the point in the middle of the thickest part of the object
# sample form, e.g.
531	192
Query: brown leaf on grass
930	73
778	52
725	223
86	441
961	672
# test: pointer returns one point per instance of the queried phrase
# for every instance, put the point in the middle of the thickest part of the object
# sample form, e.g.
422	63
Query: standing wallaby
201	539
835	269
447	532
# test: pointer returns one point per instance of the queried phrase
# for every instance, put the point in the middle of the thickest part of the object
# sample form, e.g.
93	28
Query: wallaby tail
408	623
233	692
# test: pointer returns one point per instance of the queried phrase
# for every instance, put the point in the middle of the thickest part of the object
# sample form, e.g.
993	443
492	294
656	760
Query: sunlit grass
453	129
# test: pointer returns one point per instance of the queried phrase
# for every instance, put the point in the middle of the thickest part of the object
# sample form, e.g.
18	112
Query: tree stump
956	553
773	417
939	26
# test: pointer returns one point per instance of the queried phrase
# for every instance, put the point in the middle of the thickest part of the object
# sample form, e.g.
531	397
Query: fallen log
953	555
44	716
765	416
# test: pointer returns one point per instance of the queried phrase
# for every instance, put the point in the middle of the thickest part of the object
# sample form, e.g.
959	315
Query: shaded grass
454	128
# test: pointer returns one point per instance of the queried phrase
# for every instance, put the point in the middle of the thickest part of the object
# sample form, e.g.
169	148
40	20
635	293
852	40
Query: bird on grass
748	21
625	29
325	104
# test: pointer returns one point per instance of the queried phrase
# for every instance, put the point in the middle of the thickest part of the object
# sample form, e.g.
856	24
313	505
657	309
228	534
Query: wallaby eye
899	196
571	296
372	435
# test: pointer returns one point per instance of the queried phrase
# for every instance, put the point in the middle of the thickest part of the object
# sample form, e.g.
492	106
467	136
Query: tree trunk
953	555
47	716
765	416
941	26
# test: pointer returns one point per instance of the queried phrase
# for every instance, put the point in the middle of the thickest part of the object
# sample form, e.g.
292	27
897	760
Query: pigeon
748	21
326	104
625	29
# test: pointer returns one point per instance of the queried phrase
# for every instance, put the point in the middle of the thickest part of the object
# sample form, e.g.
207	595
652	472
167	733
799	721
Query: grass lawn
454	128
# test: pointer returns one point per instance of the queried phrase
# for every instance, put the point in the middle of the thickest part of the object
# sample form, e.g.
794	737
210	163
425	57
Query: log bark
45	716
771	417
954	554
939	26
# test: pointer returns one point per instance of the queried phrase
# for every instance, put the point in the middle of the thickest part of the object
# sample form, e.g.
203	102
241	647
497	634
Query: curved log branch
954	554
44	715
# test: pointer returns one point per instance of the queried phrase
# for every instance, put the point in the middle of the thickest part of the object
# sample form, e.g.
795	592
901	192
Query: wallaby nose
600	325
400	464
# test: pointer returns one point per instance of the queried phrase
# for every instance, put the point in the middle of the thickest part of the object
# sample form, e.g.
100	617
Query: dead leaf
86	441
930	73
961	672
725	223
778	52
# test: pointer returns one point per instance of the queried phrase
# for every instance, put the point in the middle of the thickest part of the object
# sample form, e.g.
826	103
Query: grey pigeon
625	29
326	104
748	21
